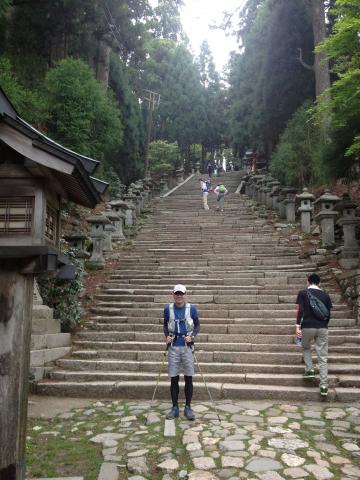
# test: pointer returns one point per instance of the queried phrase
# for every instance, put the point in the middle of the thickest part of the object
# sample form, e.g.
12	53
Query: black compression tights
174	390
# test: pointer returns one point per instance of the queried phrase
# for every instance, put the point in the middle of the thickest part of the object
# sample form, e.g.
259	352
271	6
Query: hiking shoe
189	414
173	413
323	391
309	374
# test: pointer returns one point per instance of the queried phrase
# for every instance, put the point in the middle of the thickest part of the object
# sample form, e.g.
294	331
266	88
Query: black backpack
317	306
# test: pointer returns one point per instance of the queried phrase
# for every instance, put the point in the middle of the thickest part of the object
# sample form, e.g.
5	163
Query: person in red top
311	328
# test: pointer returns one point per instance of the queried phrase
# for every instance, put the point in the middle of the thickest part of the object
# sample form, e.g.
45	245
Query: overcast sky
196	16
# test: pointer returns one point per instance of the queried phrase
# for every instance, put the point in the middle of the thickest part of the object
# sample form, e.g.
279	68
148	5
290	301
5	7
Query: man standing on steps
205	187
312	325
181	325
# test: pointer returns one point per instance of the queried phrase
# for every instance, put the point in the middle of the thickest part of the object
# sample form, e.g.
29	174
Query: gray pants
320	336
180	358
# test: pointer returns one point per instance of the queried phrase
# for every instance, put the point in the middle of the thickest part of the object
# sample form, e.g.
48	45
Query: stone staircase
242	276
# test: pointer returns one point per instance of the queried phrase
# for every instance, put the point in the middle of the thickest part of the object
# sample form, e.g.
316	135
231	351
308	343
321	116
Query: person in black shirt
311	328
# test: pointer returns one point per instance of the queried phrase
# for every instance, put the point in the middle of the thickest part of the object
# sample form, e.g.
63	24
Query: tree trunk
58	48
102	67
203	158
321	66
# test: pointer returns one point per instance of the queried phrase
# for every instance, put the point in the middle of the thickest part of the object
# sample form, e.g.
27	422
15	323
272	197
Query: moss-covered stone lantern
326	217
349	252
306	198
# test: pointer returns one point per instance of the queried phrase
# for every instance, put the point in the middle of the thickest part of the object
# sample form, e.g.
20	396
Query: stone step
251	334
244	277
79	364
122	289
247	378
43	321
108	299
244	274
39	358
282	311
220	355
144	390
285	344
213	325
51	340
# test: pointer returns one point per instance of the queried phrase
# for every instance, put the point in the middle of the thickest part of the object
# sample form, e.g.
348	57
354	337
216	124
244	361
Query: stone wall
350	285
47	342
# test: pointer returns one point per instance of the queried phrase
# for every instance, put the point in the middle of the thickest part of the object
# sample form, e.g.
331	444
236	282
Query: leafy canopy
83	115
343	48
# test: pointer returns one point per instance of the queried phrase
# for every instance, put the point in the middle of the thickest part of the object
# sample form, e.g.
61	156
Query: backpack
317	306
208	185
222	188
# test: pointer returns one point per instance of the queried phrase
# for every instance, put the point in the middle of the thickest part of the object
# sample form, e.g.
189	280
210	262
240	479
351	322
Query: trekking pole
207	388
158	380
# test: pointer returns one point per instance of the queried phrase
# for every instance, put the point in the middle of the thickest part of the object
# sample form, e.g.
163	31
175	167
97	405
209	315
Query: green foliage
83	116
163	156
107	173
63	295
296	160
214	124
267	82
342	106
127	161
56	30
28	104
4	5
166	22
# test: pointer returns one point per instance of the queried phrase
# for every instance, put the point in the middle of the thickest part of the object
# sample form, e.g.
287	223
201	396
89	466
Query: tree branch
304	64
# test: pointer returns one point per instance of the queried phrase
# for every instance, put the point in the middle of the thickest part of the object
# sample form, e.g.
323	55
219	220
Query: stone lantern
149	188
131	209
36	176
248	182
326	217
77	241
164	186
267	191
98	236
281	204
119	207
111	230
349	253
257	188
133	190
306	198
144	193
289	203
197	168
275	195
252	188
179	173
261	192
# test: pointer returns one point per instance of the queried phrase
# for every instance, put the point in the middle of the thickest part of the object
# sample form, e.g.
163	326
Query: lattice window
51	227
16	215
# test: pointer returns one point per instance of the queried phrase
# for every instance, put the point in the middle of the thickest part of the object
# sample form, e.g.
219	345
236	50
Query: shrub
299	156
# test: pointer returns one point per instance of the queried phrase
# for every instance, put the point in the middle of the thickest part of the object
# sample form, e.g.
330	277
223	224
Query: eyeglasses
179	294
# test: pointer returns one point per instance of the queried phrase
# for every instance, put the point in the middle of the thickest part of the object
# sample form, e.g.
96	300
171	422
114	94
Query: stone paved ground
254	440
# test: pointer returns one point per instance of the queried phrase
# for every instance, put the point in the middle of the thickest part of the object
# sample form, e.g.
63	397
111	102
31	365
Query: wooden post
16	294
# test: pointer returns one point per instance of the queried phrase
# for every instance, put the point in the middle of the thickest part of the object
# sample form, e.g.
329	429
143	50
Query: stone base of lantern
349	258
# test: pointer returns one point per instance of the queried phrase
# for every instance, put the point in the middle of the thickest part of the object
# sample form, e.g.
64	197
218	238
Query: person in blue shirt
181	325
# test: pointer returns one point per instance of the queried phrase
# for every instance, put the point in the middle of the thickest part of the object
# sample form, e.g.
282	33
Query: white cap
179	288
